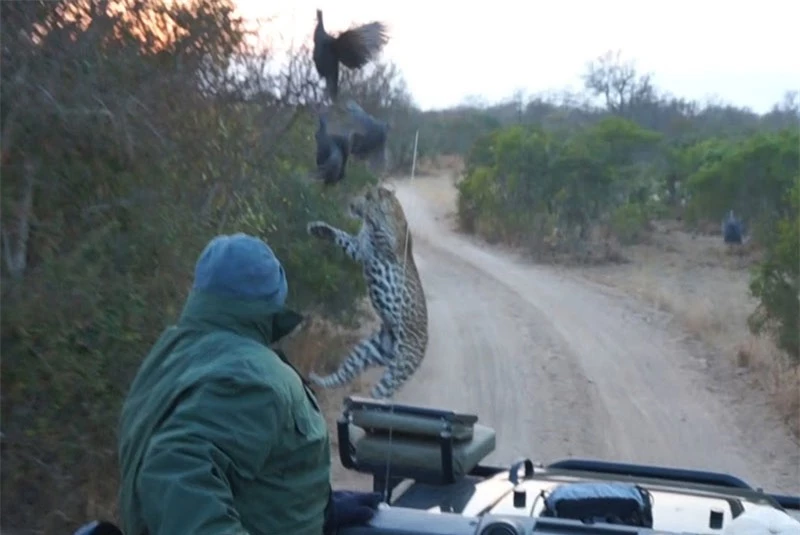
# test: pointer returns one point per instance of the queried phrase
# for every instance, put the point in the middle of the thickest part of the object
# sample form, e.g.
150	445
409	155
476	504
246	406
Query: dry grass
776	374
704	285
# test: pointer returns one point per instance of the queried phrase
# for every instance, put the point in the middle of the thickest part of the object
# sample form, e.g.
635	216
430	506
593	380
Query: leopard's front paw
320	229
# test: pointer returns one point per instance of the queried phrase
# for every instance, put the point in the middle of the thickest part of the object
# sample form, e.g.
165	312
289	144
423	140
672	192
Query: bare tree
618	83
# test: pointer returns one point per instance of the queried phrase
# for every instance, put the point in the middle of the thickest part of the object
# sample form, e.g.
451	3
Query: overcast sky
745	53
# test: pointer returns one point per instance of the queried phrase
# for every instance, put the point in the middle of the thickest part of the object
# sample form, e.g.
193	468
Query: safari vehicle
428	464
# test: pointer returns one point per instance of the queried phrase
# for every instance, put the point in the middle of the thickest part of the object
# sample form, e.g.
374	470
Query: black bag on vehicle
612	503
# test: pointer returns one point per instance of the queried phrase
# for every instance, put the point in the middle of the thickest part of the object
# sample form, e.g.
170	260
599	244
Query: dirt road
563	367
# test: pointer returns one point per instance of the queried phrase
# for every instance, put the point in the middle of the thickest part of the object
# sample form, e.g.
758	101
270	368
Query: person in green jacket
219	434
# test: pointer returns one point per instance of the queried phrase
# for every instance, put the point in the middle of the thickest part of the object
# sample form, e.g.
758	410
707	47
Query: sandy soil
699	283
562	366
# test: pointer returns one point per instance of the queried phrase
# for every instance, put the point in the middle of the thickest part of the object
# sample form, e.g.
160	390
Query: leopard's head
379	208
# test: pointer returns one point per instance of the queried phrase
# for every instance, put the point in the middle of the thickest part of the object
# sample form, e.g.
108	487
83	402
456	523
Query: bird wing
375	131
369	143
356	46
358	113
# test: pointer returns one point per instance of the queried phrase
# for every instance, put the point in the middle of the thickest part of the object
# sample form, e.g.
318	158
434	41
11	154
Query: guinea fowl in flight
371	142
332	153
353	48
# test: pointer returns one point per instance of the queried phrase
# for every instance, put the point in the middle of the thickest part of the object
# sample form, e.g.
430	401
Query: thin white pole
414	161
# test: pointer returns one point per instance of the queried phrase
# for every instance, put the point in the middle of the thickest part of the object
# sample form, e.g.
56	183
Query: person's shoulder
247	362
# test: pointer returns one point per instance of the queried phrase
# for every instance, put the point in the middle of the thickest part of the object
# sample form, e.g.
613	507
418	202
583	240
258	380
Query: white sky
746	53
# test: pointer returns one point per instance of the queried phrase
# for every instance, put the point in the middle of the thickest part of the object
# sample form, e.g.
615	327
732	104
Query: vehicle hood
675	509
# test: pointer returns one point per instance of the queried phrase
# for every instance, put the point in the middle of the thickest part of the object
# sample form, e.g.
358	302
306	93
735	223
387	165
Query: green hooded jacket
218	434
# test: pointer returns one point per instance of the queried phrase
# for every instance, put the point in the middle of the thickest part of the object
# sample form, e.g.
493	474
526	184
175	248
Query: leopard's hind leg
372	351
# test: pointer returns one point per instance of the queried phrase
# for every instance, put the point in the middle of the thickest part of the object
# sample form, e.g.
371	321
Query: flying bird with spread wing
333	151
370	142
353	48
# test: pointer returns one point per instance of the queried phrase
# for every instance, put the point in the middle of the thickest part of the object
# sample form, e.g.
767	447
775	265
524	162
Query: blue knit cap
241	266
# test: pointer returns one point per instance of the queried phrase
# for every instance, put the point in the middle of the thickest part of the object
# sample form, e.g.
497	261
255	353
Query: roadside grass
704	285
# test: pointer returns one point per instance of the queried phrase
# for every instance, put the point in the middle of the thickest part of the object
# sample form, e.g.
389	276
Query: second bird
353	48
332	152
370	143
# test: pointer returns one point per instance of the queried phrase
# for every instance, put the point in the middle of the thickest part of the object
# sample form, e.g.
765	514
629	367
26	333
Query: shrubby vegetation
759	176
535	184
776	280
556	176
128	141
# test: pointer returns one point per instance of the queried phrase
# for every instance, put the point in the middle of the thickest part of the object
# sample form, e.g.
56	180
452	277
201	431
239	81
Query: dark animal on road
333	151
732	229
353	48
370	142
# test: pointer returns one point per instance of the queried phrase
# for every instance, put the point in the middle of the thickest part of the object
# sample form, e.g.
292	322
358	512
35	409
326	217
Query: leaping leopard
384	248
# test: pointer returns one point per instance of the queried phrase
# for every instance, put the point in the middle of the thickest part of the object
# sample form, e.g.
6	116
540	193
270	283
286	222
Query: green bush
525	184
750	175
776	282
757	177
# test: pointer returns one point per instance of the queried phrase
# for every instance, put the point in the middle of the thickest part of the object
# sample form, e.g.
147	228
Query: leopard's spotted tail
368	352
409	356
